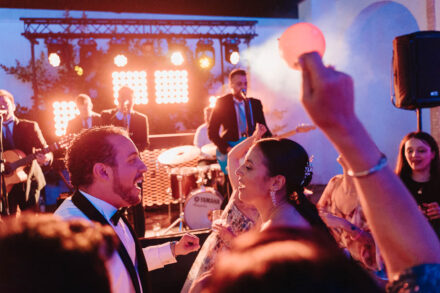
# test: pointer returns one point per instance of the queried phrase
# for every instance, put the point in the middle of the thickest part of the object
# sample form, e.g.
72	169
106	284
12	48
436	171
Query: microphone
243	93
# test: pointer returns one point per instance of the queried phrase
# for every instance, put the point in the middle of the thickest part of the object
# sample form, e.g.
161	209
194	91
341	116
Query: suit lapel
93	214
231	106
141	263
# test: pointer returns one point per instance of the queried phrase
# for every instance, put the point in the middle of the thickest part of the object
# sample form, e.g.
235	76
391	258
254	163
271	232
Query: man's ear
101	171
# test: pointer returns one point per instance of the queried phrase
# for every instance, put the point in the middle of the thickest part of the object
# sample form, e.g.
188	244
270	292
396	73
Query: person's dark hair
91	146
235	72
125	89
81	99
287	260
42	253
7	95
289	159
402	167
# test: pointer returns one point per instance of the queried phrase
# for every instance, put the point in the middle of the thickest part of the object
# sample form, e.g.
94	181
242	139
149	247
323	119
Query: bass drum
199	204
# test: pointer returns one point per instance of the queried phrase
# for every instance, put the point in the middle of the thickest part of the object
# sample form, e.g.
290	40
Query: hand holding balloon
298	39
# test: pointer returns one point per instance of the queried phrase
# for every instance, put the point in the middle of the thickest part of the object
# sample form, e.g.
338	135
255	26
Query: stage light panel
63	112
171	86
136	80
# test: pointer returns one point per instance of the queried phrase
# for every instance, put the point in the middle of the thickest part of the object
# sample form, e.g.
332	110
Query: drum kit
194	188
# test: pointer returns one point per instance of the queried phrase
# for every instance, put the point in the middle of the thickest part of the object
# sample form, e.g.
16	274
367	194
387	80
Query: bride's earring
273	197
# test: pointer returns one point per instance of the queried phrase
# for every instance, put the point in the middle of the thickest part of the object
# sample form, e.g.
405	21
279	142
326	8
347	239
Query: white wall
359	37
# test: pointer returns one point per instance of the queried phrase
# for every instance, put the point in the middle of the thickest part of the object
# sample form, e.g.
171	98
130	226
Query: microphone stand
3	195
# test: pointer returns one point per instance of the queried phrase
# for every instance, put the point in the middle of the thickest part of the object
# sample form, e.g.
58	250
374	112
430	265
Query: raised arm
404	236
240	150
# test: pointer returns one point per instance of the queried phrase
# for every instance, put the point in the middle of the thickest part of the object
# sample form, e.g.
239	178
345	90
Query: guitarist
25	136
236	113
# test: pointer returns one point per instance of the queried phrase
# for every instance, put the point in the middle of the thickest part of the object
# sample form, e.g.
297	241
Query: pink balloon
298	39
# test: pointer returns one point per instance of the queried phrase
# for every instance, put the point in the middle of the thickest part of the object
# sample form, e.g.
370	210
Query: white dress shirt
156	256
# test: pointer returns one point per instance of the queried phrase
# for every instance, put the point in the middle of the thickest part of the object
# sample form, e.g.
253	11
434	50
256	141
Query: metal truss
100	28
77	28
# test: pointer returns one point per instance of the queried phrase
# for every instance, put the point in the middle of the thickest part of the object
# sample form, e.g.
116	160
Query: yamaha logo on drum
207	200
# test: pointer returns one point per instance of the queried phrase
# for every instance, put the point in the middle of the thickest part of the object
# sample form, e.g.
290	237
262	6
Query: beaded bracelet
379	166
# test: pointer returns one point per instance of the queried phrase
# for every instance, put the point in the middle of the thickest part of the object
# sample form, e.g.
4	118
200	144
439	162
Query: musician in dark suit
23	135
124	116
236	113
86	119
137	126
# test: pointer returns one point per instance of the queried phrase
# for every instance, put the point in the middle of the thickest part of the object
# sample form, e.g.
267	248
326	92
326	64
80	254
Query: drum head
199	203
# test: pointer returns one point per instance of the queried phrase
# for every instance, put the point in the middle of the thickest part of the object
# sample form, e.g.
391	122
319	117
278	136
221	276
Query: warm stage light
177	58
234	58
205	62
232	54
171	86
212	101
54	59
120	60
78	70
136	80
205	53
63	112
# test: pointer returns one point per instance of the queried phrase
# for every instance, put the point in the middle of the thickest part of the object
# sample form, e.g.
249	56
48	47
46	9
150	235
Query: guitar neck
29	158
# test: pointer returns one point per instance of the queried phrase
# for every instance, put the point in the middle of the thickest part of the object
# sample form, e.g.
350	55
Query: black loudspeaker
416	68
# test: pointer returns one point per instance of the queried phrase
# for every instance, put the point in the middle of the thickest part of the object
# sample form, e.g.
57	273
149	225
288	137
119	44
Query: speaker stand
419	119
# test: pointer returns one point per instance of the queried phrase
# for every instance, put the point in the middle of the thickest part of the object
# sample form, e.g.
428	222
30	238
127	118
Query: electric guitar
16	161
222	159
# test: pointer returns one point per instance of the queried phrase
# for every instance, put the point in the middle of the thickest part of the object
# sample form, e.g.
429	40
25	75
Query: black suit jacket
138	126
75	125
224	115
27	135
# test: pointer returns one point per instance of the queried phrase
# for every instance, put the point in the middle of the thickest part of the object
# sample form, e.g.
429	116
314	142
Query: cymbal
209	149
179	155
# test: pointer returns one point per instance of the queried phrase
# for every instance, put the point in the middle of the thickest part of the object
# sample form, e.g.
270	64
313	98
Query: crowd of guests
371	223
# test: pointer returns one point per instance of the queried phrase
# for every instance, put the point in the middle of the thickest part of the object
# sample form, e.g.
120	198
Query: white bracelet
173	248
379	166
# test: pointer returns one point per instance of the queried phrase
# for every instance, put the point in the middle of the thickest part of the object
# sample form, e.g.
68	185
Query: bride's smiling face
253	178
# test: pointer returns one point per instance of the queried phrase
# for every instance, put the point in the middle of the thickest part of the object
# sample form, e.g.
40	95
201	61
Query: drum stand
180	219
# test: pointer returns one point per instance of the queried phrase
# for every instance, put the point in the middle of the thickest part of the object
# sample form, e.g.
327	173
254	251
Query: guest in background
46	254
201	136
340	209
202	141
287	260
418	166
408	244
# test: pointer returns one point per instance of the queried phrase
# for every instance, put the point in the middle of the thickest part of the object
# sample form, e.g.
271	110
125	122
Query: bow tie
115	218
